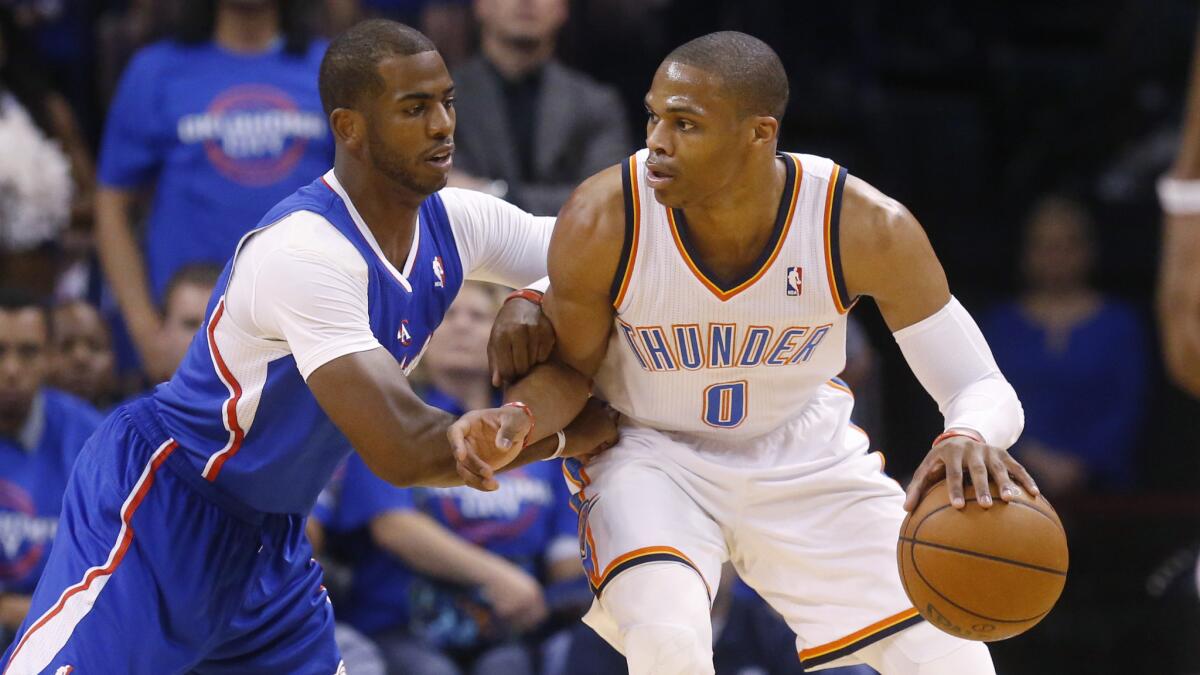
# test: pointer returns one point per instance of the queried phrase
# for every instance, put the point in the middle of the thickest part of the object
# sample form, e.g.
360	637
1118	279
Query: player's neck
515	60
738	218
246	31
389	212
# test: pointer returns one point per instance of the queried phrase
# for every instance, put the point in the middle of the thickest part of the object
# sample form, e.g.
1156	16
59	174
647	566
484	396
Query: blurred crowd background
140	139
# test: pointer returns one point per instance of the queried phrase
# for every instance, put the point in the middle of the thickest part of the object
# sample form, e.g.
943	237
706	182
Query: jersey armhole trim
833	250
629	249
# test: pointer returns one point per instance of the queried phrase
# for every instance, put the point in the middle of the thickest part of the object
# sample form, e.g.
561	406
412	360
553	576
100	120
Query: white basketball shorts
805	513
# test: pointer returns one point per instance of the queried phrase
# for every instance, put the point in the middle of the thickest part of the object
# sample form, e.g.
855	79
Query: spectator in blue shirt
452	580
1077	358
82	362
41	433
220	122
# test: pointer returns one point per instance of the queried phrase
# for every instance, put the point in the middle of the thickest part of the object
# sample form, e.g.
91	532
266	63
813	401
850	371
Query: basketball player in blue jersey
181	545
711	312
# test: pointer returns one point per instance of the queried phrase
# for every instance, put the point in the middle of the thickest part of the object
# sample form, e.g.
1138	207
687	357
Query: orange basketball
982	574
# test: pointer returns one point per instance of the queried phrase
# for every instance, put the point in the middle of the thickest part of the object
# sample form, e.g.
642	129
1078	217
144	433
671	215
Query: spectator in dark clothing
529	128
41	433
1077	358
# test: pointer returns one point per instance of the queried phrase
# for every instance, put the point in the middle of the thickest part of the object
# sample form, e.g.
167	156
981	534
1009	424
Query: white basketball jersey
732	359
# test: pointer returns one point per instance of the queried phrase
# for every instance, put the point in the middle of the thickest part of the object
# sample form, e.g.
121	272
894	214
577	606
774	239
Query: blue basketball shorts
155	571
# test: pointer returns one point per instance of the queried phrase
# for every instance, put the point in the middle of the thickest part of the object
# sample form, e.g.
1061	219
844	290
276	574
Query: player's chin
669	197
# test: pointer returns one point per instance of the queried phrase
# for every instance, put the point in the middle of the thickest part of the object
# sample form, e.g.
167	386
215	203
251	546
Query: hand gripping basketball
982	573
955	450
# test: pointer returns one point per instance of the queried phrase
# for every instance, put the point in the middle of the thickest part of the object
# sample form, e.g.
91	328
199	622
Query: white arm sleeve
497	241
303	283
951	359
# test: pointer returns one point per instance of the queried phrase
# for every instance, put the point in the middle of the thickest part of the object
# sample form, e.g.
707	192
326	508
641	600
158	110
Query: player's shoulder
462	203
597	205
307	235
591	228
872	220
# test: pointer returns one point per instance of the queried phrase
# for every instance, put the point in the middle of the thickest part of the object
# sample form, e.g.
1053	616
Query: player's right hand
486	440
955	456
522	337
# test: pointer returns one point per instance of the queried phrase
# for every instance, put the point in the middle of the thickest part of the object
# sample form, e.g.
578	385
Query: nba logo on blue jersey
794	277
439	271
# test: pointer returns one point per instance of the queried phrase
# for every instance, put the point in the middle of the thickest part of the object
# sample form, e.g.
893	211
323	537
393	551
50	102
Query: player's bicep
584	253
886	255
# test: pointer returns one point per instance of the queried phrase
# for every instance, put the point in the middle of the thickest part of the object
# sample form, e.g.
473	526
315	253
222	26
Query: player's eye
449	103
685	125
416	110
651	117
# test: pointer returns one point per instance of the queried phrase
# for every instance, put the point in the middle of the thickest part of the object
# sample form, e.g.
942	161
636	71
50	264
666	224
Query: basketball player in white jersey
704	285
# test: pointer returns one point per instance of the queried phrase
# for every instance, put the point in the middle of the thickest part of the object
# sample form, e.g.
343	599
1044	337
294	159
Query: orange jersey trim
600	580
857	636
830	199
716	290
635	233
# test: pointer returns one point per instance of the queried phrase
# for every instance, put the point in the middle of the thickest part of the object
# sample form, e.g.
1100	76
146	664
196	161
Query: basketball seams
1053	518
917	568
985	556
917	585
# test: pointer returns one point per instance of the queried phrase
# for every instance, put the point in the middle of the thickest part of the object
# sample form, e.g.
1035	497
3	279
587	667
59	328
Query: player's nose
658	140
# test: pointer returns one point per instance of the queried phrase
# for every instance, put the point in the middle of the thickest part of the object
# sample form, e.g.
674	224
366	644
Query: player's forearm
418	453
554	392
429	548
123	265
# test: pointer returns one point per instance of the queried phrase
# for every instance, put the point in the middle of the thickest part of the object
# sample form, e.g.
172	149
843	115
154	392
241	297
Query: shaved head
749	69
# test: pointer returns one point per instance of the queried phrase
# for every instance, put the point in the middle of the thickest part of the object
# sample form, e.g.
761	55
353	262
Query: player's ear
765	128
349	127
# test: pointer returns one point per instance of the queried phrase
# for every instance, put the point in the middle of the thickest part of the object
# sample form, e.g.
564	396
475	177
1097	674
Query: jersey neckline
401	276
783	220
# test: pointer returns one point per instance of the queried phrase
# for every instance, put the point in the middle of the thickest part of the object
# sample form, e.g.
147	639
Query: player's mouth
442	158
657	177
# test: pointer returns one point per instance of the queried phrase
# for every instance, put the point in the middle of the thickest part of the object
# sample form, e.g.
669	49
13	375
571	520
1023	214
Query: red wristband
532	421
966	433
526	293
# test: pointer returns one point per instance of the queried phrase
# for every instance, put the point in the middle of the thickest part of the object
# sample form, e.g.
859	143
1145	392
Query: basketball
982	574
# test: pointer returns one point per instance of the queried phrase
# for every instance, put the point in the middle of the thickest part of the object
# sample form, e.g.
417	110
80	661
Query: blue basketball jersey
254	429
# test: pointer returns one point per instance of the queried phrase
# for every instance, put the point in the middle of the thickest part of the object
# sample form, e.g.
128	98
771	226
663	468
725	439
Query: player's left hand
485	441
522	337
948	458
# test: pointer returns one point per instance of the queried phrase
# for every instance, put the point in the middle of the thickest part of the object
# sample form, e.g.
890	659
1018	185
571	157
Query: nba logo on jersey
439	272
794	277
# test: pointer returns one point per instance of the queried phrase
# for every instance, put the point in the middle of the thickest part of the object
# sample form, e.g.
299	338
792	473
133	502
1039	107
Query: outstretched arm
400	438
888	257
584	252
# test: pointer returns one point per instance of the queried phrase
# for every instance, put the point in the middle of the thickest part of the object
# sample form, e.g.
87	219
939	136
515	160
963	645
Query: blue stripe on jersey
291	449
